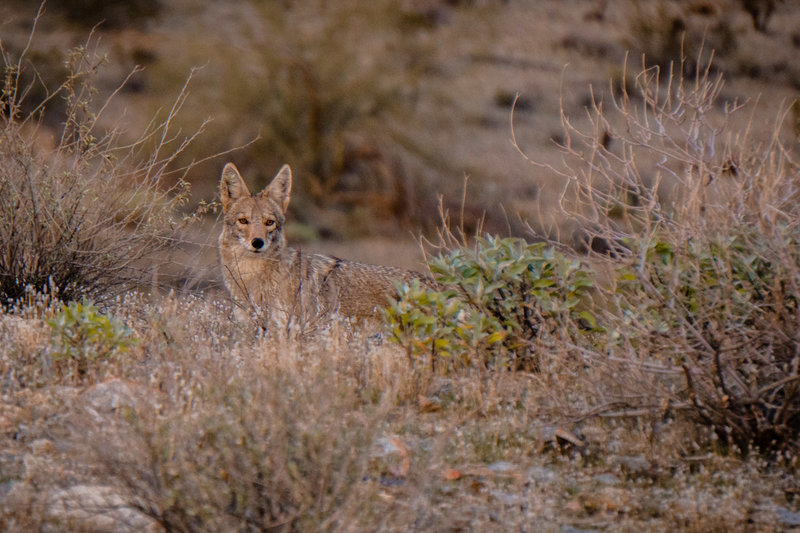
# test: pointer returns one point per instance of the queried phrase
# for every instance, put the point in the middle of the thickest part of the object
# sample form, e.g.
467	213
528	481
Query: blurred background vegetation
383	106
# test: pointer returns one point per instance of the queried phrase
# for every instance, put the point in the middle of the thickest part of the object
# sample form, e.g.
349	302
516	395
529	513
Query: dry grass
204	427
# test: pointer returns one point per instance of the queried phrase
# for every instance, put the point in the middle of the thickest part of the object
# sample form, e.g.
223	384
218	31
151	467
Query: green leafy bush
81	335
500	300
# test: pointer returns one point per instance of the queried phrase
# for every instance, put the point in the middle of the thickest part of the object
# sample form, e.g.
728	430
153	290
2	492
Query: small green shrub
438	323
500	300
81	334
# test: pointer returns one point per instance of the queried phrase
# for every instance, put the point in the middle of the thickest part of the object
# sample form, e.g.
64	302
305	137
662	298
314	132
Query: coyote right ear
231	186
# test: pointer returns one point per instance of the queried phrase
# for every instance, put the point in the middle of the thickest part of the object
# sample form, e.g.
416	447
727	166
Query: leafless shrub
700	233
83	218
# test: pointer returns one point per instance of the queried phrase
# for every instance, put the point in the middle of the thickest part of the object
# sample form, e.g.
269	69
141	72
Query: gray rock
502	467
569	529
607	479
97	508
541	475
635	465
787	517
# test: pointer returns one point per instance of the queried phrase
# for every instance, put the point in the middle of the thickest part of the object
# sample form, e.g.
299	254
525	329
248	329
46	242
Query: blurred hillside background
381	107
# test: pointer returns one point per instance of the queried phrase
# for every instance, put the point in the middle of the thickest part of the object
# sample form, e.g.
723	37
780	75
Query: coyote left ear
280	188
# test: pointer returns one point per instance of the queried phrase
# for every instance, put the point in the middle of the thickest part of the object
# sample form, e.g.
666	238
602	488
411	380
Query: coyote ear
231	186
280	188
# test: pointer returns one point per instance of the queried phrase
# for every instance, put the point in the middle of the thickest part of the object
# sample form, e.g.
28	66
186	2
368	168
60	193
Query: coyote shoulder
265	275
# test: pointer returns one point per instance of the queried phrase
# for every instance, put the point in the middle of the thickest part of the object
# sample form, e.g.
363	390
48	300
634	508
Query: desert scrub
502	302
698	222
84	218
723	309
81	335
247	448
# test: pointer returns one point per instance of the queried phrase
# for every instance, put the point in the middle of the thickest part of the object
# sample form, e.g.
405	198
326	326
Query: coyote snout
263	274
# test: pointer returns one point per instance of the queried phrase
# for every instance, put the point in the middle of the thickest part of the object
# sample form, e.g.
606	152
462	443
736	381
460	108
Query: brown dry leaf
609	499
451	474
564	435
426	405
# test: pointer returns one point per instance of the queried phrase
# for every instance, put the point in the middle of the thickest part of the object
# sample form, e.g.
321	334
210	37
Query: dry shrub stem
85	218
696	224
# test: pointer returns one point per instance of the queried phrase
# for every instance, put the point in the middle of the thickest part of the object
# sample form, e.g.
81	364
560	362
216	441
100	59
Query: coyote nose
257	243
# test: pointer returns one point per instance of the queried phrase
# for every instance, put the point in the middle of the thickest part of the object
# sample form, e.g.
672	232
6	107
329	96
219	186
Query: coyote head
255	220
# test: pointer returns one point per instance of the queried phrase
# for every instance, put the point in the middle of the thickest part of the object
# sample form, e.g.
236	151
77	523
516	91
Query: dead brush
82	219
698	222
240	433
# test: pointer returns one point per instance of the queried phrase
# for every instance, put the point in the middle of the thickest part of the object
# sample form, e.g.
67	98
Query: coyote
283	284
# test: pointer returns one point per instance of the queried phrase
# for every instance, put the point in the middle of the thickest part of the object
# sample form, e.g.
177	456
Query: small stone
787	517
607	479
608	499
502	467
569	529
541	475
451	474
109	396
42	447
505	498
633	465
97	508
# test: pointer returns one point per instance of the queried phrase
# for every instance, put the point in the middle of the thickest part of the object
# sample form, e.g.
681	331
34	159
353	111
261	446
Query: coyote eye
269	222
242	220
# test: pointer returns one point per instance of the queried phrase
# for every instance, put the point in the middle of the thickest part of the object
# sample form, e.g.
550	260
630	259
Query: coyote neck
282	280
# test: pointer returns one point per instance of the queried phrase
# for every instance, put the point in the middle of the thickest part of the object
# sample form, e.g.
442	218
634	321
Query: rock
505	498
42	447
428	405
109	396
607	479
451	474
787	517
502	467
96	508
632	465
541	475
393	454
570	529
608	499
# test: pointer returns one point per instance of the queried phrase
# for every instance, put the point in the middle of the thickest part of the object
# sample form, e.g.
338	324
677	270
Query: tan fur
264	275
